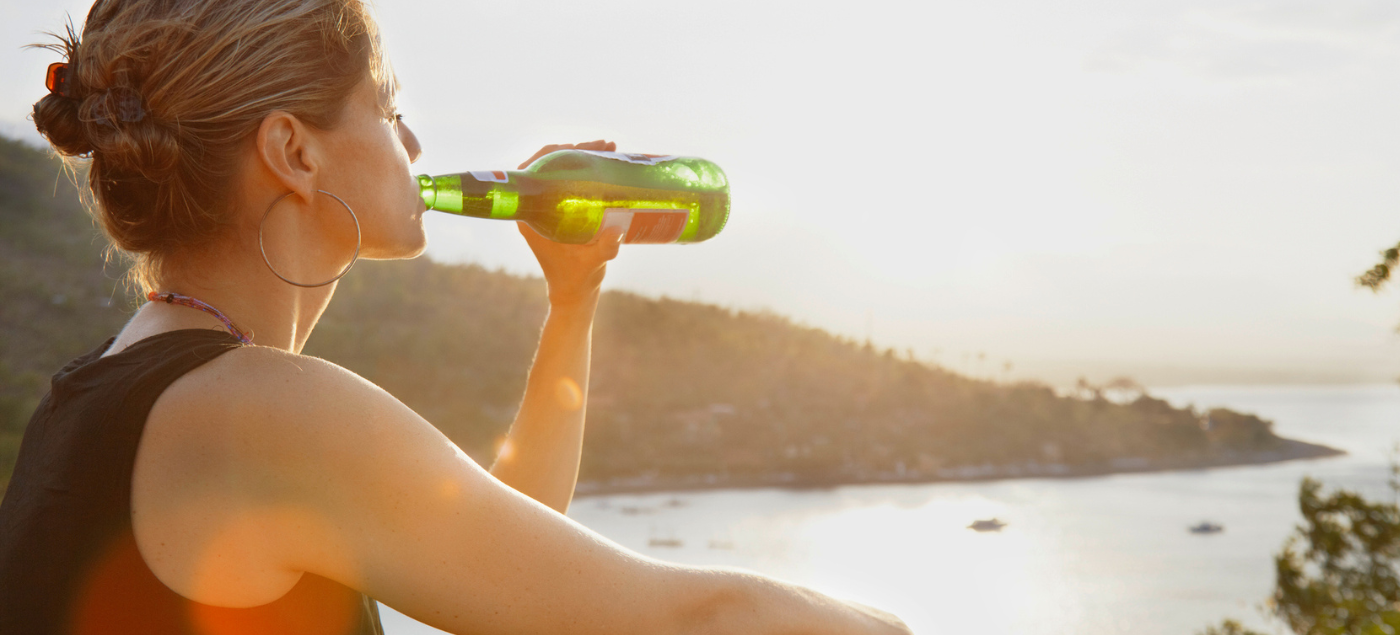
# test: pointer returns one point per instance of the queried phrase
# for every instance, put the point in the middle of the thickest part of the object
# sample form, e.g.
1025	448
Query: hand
573	273
886	621
601	145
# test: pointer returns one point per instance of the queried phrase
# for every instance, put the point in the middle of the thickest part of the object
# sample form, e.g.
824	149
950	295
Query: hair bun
57	119
128	138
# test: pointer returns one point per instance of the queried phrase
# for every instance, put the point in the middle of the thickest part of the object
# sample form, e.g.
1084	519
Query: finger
543	151
528	232
610	250
532	159
600	144
612	147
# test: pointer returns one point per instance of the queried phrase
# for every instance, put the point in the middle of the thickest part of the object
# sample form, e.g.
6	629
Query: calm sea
1095	555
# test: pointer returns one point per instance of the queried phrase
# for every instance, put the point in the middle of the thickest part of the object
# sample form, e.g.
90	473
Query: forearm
540	457
742	602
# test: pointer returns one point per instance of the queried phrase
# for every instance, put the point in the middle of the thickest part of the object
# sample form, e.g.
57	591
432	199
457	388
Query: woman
197	475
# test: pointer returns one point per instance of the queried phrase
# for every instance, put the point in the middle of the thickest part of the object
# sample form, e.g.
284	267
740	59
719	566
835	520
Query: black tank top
68	561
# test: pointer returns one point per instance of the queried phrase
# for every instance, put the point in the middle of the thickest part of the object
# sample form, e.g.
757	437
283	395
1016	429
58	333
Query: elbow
720	602
730	601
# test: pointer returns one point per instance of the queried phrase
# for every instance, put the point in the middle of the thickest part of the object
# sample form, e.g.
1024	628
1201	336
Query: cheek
392	222
380	187
389	177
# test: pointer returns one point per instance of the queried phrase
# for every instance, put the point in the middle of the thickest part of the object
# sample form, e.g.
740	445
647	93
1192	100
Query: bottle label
488	176
631	157
644	226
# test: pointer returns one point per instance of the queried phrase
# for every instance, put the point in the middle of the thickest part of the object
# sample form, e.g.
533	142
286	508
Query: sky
1181	191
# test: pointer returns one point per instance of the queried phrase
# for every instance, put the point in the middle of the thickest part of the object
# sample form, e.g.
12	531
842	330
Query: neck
275	313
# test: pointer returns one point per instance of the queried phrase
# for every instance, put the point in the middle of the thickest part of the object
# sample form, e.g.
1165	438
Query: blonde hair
163	92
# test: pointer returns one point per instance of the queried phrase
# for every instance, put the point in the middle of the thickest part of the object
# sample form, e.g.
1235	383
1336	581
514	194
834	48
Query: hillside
56	301
684	394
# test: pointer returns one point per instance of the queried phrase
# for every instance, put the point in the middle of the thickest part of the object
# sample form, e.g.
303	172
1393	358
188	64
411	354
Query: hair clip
59	79
121	104
129	107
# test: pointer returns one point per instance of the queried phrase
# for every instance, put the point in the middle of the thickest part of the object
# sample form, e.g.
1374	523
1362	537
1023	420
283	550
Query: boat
721	542
1206	527
669	540
991	524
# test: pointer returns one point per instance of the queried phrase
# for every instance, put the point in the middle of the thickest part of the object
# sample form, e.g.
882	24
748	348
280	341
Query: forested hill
684	394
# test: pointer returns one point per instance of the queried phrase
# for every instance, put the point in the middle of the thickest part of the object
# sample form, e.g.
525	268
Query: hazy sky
1181	190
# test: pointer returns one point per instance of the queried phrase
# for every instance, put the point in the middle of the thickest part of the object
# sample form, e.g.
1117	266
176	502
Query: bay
1108	554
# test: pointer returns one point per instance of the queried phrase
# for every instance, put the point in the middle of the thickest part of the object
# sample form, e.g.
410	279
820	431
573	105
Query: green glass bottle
569	196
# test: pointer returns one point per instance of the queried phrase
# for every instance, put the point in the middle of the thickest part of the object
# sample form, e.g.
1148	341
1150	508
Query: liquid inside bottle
570	195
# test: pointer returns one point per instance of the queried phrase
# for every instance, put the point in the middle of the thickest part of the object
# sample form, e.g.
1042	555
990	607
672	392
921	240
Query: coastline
1291	450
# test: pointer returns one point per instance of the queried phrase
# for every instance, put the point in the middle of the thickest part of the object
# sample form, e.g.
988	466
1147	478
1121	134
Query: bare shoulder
250	460
253	374
270	421
264	409
265	391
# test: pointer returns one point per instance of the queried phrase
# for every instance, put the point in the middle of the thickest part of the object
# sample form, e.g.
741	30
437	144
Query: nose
410	142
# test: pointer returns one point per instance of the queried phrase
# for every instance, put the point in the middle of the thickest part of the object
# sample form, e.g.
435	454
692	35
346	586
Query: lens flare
505	450
120	595
568	393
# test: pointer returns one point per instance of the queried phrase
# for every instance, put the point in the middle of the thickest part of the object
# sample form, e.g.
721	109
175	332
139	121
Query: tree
1339	573
1378	275
1229	627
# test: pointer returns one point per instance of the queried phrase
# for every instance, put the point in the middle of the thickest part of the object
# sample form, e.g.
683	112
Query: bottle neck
477	194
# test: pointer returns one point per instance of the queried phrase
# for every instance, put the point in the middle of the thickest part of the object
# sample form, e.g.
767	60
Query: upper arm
385	503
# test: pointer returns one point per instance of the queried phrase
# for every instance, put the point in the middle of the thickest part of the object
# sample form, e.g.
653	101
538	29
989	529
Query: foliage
1339	573
1229	627
1377	276
56	301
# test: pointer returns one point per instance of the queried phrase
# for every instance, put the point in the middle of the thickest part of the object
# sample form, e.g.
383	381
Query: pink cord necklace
194	303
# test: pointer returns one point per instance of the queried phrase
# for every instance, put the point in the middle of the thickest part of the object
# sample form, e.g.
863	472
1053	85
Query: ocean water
1099	555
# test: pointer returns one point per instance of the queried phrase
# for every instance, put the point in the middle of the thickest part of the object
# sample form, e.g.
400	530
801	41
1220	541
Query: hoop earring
353	260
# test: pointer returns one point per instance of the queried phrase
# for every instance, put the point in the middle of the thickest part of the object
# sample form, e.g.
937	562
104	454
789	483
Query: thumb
608	236
610	241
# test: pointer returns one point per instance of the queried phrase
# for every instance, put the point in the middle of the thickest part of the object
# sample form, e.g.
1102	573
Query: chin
416	251
406	247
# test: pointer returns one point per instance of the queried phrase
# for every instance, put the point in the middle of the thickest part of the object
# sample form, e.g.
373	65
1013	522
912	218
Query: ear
290	153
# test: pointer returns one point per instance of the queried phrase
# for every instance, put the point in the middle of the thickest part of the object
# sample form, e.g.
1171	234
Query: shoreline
1291	450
